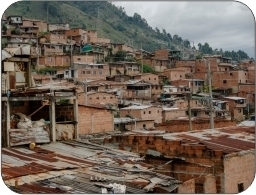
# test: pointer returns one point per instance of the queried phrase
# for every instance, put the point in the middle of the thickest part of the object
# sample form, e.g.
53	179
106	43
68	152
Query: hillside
111	22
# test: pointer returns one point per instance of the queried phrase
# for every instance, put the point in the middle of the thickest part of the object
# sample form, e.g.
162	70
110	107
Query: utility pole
37	61
210	93
189	111
71	55
141	58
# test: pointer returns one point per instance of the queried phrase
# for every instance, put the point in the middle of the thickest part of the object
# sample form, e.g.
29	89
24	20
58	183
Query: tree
164	31
169	36
147	69
120	56
186	43
157	30
199	46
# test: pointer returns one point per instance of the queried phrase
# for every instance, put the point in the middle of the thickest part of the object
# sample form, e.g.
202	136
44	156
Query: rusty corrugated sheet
27	136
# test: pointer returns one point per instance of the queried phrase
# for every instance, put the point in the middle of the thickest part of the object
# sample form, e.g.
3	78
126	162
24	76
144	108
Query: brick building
147	77
172	113
185	63
94	119
177	73
124	68
229	79
54	61
236	107
77	34
98	98
195	85
42	25
143	113
207	161
92	36
87	71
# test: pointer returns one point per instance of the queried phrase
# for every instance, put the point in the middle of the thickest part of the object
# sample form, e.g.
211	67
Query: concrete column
8	125
52	119
75	109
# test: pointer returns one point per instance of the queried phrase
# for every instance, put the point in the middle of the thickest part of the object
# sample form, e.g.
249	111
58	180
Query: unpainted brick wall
239	169
93	120
183	125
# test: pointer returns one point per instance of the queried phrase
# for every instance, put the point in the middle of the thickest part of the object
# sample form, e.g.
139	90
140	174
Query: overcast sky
228	25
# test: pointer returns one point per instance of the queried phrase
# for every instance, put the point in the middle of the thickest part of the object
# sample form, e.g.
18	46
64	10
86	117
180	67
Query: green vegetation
147	69
110	22
46	70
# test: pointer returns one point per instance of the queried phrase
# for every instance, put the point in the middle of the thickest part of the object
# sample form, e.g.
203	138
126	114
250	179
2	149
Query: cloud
227	25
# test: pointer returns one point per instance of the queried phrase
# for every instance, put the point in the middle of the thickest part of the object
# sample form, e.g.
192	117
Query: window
180	76
226	69
246	81
240	187
104	98
144	125
149	112
83	72
245	73
100	72
231	74
49	59
239	110
88	72
158	111
195	113
78	58
224	81
148	78
97	98
144	112
154	78
196	102
111	97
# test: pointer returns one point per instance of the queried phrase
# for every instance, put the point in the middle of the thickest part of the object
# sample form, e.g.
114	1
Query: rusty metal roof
53	168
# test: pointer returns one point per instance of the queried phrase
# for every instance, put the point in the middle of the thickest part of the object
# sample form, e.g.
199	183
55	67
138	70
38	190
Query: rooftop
78	167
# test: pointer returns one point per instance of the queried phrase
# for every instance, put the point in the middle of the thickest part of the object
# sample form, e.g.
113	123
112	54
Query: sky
229	25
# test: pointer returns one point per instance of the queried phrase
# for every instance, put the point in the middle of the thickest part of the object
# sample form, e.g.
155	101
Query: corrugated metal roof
43	170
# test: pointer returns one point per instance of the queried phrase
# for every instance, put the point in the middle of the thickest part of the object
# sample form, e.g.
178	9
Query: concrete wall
210	184
140	125
187	187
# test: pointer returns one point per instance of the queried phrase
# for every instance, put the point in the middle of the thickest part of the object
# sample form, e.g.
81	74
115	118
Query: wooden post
29	76
75	109
8	125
